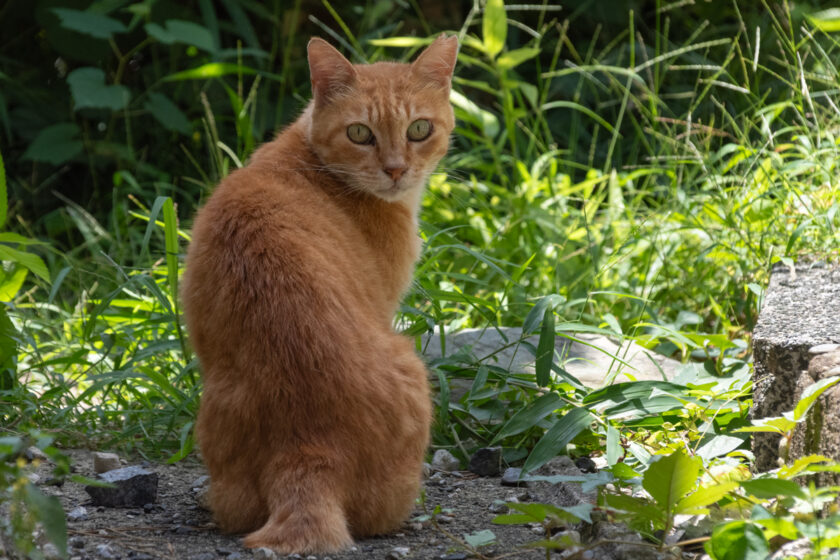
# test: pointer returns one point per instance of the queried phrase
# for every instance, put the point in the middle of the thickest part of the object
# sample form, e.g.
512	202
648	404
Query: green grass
637	179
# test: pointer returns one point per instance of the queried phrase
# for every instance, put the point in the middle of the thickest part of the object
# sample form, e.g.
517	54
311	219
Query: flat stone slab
801	310
594	360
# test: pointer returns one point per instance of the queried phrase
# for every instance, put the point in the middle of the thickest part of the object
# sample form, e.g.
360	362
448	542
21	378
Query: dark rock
223	551
203	556
134	555
486	461
133	486
76	542
585	464
564	494
149	508
511	477
235	556
455	556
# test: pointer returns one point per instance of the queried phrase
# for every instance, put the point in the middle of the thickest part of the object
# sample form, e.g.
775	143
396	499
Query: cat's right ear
329	71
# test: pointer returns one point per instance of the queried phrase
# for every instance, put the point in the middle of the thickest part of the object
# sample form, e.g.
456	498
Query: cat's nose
394	172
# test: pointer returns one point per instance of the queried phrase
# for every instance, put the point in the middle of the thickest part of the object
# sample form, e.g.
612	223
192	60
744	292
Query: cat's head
382	128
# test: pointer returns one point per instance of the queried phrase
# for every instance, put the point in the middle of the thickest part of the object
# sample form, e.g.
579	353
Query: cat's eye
360	134
419	130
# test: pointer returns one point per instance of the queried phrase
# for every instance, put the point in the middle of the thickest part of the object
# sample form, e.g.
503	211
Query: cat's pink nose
394	172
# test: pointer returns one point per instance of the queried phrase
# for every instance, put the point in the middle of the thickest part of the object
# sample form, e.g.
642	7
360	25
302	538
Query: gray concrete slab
801	309
590	358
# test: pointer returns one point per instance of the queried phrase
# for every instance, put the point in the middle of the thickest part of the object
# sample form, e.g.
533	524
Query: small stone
33	477
586	465
201	482
399	552
105	551
223	551
50	552
445	461
79	513
133	486
415	527
264	554
35	453
427	470
104	462
511	477
133	555
235	556
832	372
823	349
183	530
445	519
498	506
311	557
538	530
455	556
149	508
76	542
203	556
486	461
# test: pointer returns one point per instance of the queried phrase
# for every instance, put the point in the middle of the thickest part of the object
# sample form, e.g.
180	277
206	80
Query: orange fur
315	413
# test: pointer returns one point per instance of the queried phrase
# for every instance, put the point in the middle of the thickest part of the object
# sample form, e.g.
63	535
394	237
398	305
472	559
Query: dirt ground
177	527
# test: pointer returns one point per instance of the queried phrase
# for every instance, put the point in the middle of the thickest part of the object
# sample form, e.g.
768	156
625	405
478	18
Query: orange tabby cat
315	414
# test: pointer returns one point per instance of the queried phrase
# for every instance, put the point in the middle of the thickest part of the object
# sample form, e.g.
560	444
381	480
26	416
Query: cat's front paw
302	534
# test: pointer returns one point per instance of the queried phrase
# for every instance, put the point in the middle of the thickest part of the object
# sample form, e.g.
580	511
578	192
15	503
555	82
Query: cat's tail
306	512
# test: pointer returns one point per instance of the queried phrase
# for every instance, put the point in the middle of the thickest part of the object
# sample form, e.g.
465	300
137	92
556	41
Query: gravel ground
177	527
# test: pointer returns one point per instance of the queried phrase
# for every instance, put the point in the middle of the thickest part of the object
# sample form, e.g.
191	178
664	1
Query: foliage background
630	168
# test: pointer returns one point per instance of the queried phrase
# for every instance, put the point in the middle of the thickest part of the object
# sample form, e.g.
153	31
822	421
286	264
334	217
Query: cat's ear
329	71
437	62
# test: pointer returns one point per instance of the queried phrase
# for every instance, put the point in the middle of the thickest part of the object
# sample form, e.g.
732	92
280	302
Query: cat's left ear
437	62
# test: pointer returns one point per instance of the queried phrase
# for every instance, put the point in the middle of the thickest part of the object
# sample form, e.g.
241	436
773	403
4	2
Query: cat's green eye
360	134
419	130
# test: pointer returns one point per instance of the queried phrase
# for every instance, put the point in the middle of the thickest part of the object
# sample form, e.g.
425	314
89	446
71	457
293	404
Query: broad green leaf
737	540
480	538
494	27
670	478
614	449
514	519
776	424
718	446
167	113
87	85
557	437
545	349
623	392
697	502
826	20
778	526
4	201
210	70
48	510
11	283
90	23
811	394
55	144
639	507
181	31
529	416
772	488
516	57
29	260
